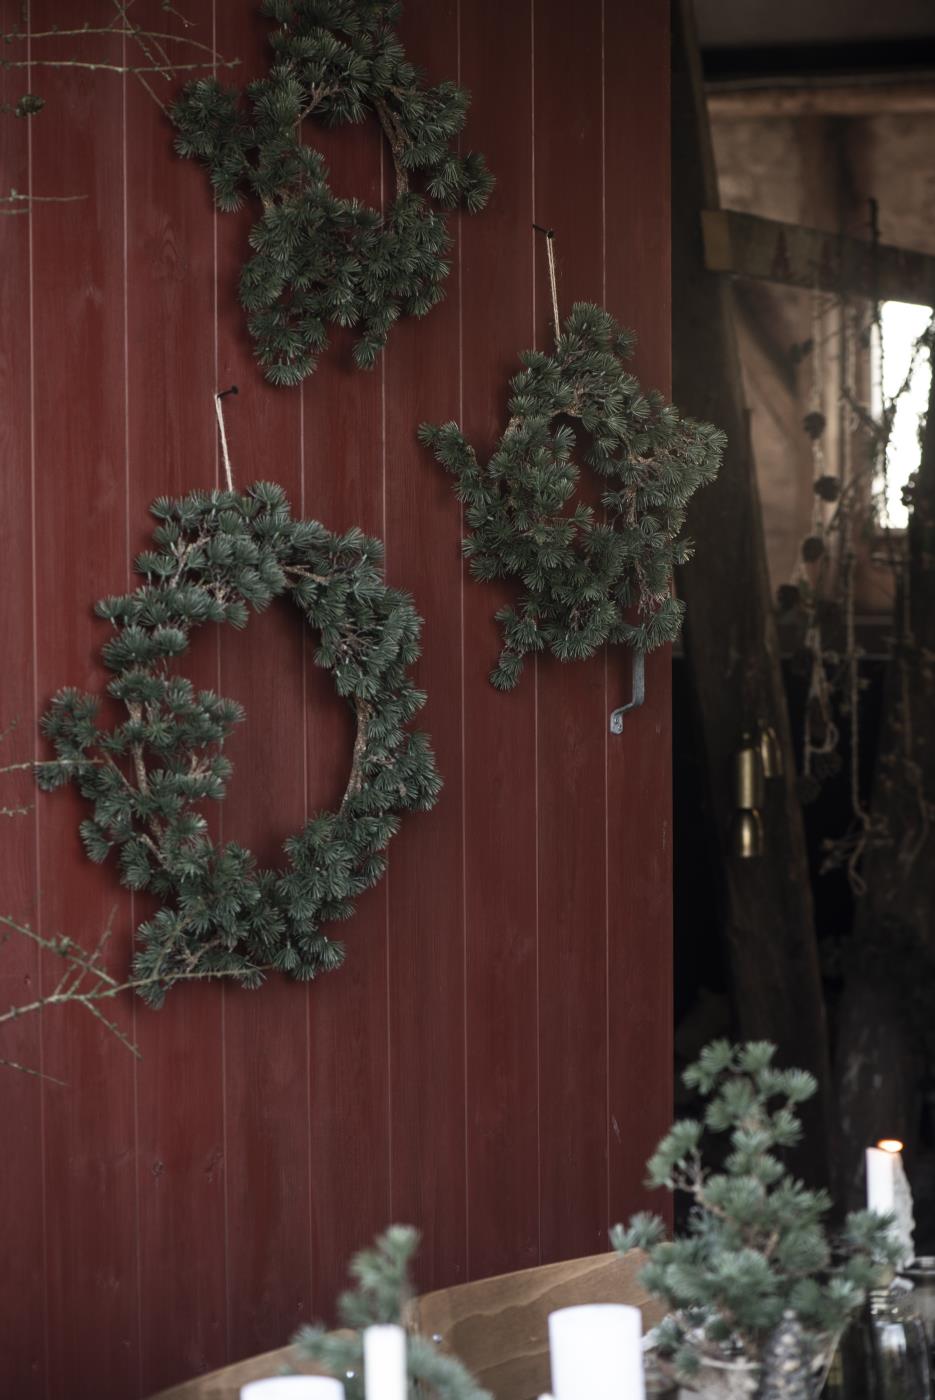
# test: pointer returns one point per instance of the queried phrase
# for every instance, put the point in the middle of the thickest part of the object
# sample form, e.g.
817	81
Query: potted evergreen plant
757	1297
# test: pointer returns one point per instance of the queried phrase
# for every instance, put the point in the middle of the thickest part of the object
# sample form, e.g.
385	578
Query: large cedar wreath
581	570
319	259
215	556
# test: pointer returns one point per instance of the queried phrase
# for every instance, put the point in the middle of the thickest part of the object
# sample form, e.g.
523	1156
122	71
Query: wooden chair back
225	1384
499	1326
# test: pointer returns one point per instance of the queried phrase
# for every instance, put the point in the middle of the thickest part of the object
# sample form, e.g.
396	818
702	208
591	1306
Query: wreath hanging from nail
216	556
581	570
319	260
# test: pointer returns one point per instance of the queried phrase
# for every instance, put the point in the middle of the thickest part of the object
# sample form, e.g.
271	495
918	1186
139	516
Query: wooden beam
737	103
731	643
746	245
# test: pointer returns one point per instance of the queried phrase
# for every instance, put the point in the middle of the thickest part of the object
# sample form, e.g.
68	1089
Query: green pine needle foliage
756	1247
383	1288
581	569
217	556
320	260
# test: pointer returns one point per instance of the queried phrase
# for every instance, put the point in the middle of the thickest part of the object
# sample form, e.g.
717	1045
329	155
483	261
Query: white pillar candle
293	1388
889	1193
881	1180
385	1371
597	1352
882	1165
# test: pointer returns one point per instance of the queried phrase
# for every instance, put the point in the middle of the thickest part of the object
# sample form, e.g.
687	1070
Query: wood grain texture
639	762
500	821
748	246
504	1001
266	1105
91	1242
22	1290
426	915
572	702
499	1327
170	378
345	451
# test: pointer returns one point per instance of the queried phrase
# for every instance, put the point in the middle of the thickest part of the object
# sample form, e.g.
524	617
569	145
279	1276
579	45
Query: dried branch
154	46
168	69
86	983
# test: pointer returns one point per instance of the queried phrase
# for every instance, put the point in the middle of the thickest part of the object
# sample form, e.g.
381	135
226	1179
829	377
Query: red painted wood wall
493	1061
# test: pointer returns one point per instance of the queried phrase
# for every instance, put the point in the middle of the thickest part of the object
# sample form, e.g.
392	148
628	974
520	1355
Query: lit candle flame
890	1145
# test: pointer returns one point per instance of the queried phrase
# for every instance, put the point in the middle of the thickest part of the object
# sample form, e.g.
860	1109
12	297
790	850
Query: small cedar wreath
581	570
320	259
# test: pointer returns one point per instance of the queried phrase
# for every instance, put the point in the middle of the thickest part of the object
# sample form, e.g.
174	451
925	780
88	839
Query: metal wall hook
639	693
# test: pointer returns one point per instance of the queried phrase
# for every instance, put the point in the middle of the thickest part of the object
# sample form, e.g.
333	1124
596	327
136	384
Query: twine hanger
553	281
219	410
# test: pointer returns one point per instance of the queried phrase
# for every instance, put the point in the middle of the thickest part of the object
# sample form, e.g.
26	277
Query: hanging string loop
553	280
225	454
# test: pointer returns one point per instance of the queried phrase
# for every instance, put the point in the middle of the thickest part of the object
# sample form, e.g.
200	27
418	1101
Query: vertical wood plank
571	703
348	1062
266	1033
172	450
499	729
81	503
21	1213
425	889
636	68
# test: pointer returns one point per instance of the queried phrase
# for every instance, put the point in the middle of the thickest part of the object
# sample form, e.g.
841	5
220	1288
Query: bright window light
901	324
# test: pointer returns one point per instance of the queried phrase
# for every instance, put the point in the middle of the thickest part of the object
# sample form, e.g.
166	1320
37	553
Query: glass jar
849	1373
921	1274
899	1356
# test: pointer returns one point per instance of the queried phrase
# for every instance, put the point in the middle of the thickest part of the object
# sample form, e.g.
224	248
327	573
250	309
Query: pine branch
754	1249
381	1293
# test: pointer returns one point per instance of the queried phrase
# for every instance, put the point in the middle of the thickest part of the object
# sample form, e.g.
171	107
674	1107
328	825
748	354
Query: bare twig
18	203
86	983
170	69
29	1069
154	45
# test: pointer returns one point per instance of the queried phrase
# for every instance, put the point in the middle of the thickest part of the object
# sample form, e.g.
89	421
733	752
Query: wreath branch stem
396	140
356	780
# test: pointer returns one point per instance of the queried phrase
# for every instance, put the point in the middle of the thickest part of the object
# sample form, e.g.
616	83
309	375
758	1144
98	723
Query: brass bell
749	785
747	835
770	753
